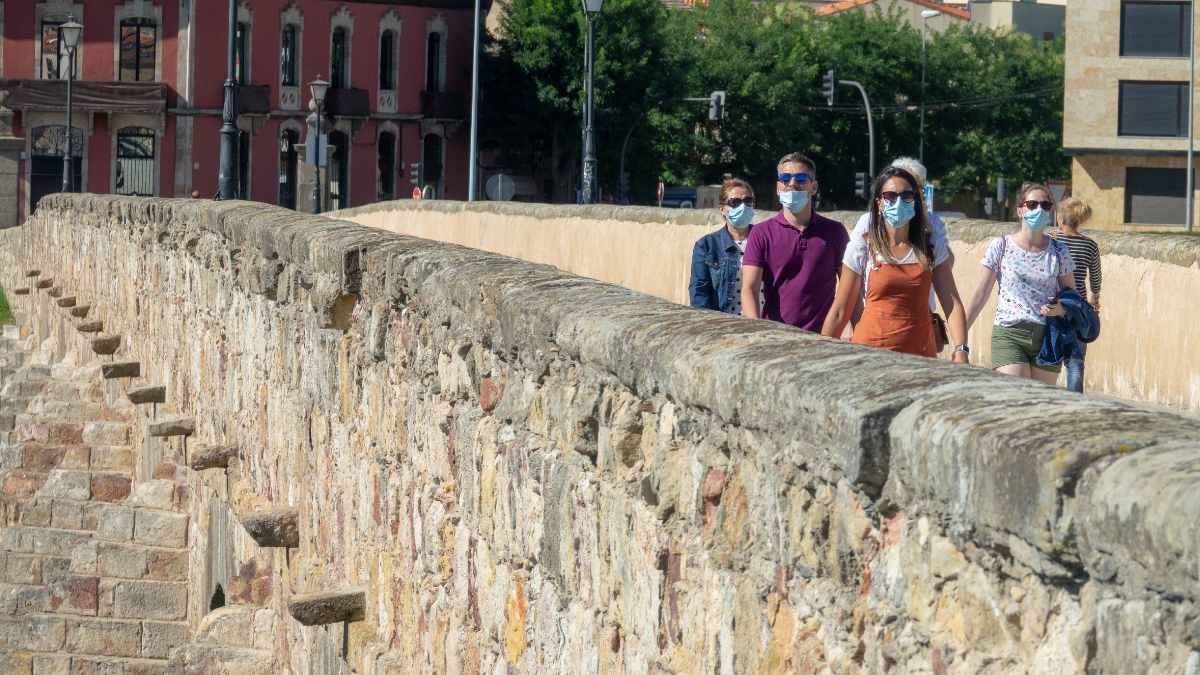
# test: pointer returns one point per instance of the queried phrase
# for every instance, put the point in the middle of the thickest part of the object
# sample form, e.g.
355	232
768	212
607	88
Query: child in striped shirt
1072	213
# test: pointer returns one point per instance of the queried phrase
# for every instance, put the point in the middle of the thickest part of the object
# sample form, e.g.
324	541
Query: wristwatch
962	348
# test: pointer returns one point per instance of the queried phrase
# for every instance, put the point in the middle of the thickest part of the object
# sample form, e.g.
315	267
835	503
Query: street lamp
70	33
925	17
318	87
226	180
590	9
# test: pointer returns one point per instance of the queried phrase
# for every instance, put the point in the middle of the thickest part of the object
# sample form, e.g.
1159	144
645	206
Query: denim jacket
715	262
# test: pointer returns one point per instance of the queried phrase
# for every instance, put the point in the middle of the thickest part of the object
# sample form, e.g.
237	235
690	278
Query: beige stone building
1125	122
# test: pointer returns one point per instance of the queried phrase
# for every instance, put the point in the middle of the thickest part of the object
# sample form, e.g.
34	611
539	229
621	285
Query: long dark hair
919	230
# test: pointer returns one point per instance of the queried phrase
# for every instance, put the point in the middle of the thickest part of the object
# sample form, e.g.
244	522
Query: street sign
662	190
310	153
416	193
1058	189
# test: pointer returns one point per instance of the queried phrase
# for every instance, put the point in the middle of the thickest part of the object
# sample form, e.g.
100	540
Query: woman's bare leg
1018	369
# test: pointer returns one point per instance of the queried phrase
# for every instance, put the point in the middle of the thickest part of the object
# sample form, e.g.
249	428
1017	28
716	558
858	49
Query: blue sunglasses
800	178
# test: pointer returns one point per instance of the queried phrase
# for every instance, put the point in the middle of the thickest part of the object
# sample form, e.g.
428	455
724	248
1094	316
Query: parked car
679	198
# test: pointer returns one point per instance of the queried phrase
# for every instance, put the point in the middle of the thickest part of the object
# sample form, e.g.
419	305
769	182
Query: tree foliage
994	100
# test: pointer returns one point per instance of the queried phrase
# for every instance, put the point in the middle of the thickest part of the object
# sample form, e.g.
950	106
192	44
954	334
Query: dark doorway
46	161
431	163
339	170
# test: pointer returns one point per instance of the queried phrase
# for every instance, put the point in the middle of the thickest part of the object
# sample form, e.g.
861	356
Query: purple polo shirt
799	268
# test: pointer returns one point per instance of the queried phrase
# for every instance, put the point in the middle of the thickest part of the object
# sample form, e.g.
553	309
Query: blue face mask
1037	219
794	200
741	216
899	212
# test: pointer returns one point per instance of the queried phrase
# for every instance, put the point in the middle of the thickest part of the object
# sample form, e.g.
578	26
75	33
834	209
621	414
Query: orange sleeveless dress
896	313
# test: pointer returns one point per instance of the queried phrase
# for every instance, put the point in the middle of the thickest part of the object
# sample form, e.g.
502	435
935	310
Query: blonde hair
1074	211
728	187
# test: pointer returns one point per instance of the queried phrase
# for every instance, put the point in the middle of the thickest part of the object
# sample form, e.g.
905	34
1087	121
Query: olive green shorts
1019	344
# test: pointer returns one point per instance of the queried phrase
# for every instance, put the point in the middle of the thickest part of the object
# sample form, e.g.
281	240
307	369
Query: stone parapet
521	466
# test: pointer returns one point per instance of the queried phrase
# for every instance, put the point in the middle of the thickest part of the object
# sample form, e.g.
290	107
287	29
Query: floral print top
1027	279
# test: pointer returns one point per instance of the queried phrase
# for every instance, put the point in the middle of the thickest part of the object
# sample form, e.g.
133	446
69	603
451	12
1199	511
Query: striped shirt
1086	256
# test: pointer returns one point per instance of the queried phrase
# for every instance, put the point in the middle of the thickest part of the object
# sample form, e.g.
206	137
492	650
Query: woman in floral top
1031	268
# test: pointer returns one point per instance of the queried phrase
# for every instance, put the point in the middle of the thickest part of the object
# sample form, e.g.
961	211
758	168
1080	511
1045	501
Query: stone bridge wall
1149	349
534	471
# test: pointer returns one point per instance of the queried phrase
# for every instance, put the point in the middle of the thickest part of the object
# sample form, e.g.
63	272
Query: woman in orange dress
896	261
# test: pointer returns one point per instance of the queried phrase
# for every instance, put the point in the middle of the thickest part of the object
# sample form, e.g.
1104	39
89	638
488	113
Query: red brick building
149	92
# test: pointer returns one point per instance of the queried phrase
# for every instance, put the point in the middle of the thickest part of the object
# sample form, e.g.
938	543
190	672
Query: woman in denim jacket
717	257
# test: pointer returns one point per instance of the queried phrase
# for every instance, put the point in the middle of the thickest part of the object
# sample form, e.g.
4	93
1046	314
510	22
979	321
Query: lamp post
925	17
70	32
226	180
318	88
590	9
473	164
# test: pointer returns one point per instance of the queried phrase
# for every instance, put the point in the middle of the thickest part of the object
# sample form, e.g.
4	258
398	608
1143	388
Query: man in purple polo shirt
795	257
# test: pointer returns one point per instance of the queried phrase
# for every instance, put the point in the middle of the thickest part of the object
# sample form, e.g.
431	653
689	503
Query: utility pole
925	17
472	178
590	9
1191	152
226	180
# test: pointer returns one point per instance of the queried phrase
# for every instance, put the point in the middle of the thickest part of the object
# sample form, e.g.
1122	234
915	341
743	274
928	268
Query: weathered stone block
80	311
110	487
213	457
52	664
158	600
112	371
22	484
33	273
110	521
24	290
90	327
155	494
121	561
167	565
160	528
67	515
159	638
166	427
106	433
106	345
55	292
105	637
74	595
56	542
45	283
317	609
274	527
67	485
68	301
33	633
23	569
105	458
148	394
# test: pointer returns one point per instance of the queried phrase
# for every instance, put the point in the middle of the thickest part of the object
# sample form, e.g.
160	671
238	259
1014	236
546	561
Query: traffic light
414	173
860	184
829	86
716	106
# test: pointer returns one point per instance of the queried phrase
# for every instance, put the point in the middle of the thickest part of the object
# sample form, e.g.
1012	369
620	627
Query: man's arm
751	287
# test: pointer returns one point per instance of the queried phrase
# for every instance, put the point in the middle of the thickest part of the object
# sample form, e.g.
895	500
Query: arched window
387	166
433	62
288	57
387	60
138	49
135	162
339	77
288	167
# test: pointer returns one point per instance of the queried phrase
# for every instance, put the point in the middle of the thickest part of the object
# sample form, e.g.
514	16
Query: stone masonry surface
528	471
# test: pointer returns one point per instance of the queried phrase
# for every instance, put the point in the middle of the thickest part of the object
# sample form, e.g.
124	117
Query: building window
1152	109
53	52
137	50
288	167
387	60
433	62
241	54
135	162
287	57
1155	28
387	166
1155	196
337	59
243	165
